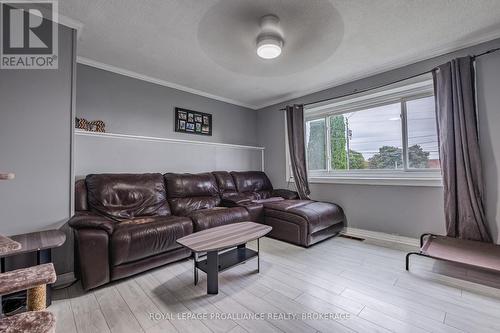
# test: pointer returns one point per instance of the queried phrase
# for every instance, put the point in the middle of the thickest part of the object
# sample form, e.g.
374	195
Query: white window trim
418	88
430	178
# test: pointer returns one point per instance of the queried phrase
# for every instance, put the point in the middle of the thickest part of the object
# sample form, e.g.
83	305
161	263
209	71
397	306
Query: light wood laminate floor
365	282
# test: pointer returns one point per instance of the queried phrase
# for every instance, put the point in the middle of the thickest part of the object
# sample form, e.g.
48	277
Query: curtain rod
357	91
485	53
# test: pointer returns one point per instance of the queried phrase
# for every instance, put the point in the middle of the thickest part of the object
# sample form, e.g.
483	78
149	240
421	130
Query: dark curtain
296	144
459	150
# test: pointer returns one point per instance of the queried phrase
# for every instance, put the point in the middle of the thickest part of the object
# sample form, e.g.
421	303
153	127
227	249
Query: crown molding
135	75
63	19
71	23
449	48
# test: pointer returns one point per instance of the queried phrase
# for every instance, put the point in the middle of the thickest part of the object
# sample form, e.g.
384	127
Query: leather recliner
123	225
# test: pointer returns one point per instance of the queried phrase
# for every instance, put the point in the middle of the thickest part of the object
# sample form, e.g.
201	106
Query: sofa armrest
285	194
92	257
89	220
217	216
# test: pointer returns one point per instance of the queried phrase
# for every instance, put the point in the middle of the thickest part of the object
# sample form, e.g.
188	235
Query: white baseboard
64	279
380	236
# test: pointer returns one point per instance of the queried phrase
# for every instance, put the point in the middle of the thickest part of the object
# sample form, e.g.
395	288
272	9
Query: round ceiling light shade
269	41
269	47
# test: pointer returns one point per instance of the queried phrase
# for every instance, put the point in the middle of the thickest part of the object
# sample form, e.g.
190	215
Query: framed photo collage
193	122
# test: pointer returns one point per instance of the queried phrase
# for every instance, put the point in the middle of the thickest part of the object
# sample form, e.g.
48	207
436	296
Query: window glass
374	139
338	142
423	150
316	144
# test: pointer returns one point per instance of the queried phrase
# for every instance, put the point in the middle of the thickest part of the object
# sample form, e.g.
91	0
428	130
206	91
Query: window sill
378	180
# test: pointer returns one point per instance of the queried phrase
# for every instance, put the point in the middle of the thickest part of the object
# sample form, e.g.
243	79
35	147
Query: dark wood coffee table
232	236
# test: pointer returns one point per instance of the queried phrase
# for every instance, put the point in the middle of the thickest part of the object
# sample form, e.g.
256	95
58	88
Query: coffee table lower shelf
229	259
218	262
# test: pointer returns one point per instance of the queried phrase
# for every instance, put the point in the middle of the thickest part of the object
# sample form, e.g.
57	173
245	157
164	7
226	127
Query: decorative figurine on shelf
6	176
92	126
82	123
98	126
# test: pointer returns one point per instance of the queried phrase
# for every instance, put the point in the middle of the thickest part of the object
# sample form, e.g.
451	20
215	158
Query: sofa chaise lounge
128	223
301	222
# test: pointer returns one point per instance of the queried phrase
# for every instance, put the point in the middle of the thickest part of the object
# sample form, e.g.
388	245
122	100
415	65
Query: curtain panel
459	150
296	145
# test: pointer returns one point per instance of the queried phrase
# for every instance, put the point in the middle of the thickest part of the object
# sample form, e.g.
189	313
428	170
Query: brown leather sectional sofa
128	223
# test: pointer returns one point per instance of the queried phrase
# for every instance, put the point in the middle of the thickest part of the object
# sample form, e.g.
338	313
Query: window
316	144
386	134
422	134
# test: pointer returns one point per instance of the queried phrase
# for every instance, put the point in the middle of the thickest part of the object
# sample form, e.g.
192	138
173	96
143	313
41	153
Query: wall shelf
152	138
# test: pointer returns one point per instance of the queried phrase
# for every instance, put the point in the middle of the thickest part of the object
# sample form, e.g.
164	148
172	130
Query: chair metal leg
422	239
408	258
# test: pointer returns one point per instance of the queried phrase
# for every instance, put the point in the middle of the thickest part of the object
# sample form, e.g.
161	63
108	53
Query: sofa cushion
255	182
143	237
125	196
317	215
190	192
214	217
225	183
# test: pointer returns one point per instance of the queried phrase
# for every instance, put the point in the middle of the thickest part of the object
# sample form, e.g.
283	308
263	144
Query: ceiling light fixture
270	40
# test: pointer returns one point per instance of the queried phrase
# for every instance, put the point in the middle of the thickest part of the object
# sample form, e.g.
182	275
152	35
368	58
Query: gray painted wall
488	98
403	210
35	139
132	106
101	154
